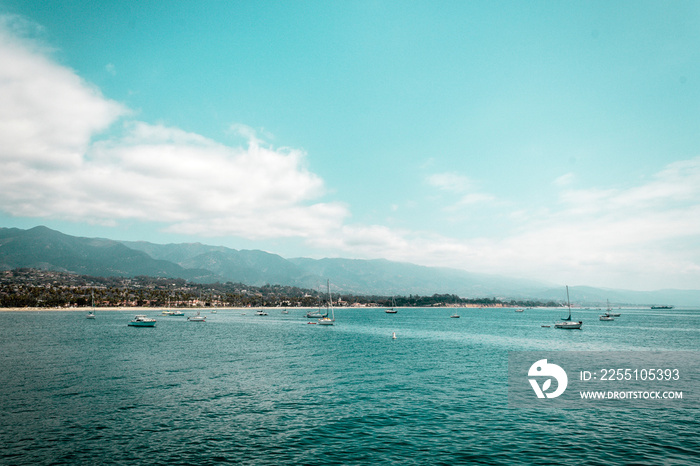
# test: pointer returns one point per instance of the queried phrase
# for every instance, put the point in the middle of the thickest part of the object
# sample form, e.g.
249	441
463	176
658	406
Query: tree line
52	289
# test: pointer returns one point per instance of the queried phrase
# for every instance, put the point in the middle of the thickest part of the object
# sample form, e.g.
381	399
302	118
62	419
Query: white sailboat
609	312
326	320
168	311
567	323
391	310
316	314
261	311
91	314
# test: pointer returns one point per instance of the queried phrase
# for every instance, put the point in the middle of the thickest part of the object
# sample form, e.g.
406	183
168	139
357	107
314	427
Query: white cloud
644	237
613	236
450	182
461	186
47	113
51	167
564	180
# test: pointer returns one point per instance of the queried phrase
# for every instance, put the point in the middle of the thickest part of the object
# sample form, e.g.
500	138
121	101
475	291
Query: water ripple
247	390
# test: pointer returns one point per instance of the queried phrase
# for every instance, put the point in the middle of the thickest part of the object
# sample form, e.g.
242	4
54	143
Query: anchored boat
567	323
142	321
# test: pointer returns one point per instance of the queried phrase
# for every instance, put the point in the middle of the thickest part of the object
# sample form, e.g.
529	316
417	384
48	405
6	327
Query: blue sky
551	140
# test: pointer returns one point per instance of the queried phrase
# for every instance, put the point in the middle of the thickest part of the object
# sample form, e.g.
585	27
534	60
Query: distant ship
662	307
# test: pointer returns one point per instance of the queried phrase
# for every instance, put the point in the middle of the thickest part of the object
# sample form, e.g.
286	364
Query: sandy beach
125	309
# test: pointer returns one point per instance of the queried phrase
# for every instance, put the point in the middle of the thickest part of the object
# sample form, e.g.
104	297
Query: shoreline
194	309
98	309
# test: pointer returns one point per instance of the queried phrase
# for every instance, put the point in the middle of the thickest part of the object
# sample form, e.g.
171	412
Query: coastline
194	309
98	309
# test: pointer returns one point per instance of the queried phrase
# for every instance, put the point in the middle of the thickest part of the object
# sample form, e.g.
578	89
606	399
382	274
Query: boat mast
568	302
330	300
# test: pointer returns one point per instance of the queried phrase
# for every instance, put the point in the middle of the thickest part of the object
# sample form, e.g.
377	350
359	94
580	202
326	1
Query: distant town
34	288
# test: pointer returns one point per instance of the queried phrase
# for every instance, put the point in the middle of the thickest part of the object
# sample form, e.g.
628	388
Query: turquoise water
247	389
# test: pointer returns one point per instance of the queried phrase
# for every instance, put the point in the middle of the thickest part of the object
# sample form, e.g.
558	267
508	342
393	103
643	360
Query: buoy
393	335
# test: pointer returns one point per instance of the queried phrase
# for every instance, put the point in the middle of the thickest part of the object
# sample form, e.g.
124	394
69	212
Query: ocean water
246	389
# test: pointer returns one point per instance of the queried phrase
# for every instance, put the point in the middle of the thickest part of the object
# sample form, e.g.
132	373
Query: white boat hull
143	323
568	325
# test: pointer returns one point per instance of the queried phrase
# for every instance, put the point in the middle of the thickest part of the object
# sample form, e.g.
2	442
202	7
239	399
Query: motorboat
197	318
142	321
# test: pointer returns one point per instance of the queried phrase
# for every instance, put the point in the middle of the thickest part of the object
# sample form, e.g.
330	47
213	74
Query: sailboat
567	323
391	310
168	311
326	320
316	314
609	313
171	312
91	314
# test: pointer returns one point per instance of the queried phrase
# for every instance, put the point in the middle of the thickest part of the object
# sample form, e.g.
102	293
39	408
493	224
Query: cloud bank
53	166
69	153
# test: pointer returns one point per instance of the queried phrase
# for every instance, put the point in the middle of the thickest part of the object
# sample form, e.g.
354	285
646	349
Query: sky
556	141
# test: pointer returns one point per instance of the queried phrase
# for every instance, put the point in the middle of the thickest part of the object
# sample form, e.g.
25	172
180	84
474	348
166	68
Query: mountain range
44	248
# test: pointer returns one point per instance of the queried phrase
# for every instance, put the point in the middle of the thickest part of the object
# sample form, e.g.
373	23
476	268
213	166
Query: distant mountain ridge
43	248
